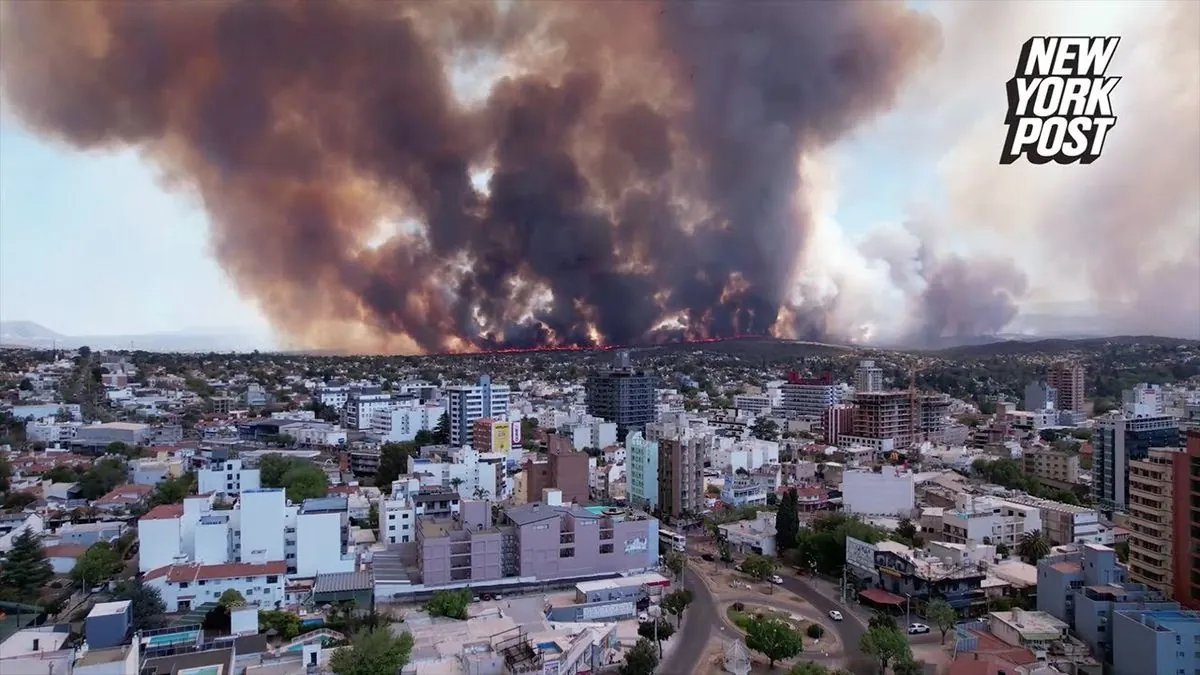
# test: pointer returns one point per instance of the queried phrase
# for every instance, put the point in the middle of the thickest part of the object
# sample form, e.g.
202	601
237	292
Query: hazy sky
91	244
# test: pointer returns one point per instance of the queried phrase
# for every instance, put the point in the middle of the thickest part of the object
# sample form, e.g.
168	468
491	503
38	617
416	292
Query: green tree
231	598
759	566
146	604
286	624
61	473
5	473
676	602
441	432
811	668
906	531
98	563
450	604
641	660
173	490
26	568
886	644
373	652
774	638
676	563
724	554
908	666
765	429
101	478
271	469
1002	549
664	630
393	463
1033	546
787	521
942	615
881	620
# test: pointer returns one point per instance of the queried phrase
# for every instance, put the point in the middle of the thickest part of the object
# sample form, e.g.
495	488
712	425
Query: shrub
739	607
814	631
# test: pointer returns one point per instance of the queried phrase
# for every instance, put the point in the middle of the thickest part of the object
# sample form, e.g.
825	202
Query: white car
917	628
835	615
776	579
643	618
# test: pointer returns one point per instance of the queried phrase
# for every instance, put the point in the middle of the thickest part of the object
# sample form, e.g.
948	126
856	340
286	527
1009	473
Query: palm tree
1033	546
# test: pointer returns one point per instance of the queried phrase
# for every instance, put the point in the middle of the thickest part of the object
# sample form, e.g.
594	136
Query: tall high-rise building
472	402
642	463
622	395
1164	521
1186	524
1069	380
680	477
868	377
810	396
1119	439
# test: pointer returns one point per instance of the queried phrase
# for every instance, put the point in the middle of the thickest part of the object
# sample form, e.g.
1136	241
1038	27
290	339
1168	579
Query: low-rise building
227	477
751	536
985	520
1065	523
190	585
1056	468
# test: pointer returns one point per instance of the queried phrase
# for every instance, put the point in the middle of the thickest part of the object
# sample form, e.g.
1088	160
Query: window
273	579
183	584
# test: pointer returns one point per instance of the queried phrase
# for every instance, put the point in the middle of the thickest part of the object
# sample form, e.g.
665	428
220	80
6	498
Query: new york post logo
1059	100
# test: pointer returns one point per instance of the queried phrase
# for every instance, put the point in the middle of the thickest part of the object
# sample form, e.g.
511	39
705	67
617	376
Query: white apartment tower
868	377
472	402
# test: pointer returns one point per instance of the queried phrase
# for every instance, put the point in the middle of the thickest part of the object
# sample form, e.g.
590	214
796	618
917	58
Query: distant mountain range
37	336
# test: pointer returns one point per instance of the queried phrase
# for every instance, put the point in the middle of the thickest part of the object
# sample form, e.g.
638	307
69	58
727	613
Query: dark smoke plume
642	155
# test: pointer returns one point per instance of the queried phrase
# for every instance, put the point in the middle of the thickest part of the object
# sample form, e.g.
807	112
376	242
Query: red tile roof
191	572
164	512
128	493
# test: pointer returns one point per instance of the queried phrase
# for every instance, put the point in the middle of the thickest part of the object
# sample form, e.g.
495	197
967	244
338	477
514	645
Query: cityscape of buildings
307	490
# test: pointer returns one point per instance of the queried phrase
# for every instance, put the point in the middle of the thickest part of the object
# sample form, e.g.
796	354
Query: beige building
1065	523
1149	507
1055	468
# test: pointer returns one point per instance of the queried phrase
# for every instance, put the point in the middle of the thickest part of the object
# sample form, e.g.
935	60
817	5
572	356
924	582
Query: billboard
515	433
501	437
860	554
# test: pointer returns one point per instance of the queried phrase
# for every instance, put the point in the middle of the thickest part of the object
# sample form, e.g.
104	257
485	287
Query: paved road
850	629
699	622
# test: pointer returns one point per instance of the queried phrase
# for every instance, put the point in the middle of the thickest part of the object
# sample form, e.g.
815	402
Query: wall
540	546
266	509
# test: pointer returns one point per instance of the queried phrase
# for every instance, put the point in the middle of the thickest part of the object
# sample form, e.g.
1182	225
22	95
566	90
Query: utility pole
843	589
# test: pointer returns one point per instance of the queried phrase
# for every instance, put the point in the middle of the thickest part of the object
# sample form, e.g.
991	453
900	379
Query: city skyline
95	243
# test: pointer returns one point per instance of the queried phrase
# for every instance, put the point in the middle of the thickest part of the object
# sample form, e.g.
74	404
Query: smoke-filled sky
448	176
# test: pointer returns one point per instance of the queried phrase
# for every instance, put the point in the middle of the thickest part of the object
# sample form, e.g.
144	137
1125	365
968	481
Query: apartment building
868	378
465	470
185	586
260	527
642	465
565	470
1186	524
402	422
985	520
593	433
229	477
622	395
680	477
542	540
1150	500
408	502
755	404
468	403
360	406
489	435
1069	383
1118	439
739	491
1065	523
1055	468
809	396
1040	397
889	491
314	434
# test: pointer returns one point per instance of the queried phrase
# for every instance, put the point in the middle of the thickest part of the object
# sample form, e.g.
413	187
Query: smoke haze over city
430	177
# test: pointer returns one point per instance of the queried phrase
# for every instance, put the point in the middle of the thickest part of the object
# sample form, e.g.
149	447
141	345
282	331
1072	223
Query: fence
964	639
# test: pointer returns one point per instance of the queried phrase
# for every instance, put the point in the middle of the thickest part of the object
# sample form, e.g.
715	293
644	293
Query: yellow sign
890	572
501	437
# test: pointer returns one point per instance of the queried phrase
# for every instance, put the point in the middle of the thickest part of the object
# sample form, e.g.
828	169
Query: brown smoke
642	154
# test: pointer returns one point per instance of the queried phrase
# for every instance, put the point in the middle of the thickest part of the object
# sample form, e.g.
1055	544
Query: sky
92	244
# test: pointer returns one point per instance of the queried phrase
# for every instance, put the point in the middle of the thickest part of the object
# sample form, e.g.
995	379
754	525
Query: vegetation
5	472
450	604
372	652
101	478
675	602
642	659
906	533
231	598
26	568
1033	546
821	547
1010	474
441	432
942	615
759	566
174	490
661	628
98	563
814	631
676	562
787	521
886	644
765	429
285	624
393	459
146	604
813	668
301	479
773	637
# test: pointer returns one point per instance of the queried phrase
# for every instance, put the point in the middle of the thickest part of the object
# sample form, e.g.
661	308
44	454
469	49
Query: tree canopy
98	563
642	659
372	652
886	644
450	604
773	637
146	604
26	568
300	478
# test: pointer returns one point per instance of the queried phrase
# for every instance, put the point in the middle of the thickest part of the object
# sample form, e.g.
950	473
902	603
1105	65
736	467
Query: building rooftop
344	582
109	608
651	579
1032	624
164	512
533	512
324	505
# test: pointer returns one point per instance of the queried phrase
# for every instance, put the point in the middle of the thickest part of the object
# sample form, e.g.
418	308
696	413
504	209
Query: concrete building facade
643	471
468	403
622	395
1069	382
1119	439
680	477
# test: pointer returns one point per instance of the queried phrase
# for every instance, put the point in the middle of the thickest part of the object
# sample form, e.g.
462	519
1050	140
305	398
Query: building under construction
894	420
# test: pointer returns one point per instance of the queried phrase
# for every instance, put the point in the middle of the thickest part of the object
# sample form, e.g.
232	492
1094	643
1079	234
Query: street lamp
654	611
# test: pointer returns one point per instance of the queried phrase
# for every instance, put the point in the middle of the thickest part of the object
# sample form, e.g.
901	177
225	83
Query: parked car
643	618
707	557
776	579
917	628
835	615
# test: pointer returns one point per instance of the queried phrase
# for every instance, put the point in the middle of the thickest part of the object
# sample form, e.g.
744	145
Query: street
699	622
850	629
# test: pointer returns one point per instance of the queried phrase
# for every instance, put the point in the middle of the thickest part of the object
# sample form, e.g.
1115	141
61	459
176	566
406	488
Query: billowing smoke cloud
639	156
